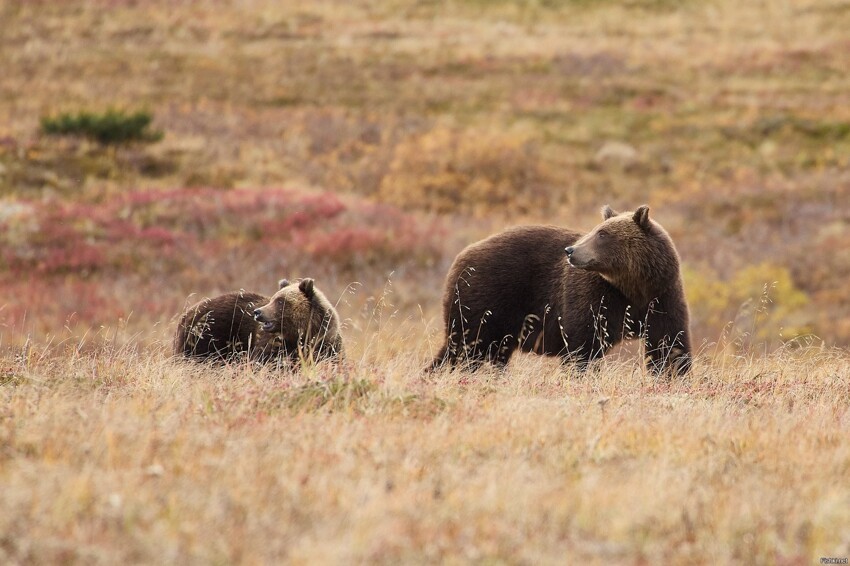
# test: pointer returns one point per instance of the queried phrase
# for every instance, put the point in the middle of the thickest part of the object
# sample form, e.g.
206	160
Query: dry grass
121	456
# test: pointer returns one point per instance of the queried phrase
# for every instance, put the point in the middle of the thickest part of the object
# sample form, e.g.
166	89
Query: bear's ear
642	217
283	283
608	212
306	287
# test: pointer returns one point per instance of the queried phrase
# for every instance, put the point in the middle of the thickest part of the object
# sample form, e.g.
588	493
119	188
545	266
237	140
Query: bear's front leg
667	353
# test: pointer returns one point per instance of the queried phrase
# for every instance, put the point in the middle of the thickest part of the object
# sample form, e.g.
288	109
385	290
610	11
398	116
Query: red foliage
171	230
101	261
47	306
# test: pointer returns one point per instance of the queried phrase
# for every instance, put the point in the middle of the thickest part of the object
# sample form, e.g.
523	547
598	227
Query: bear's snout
579	256
572	257
259	315
265	323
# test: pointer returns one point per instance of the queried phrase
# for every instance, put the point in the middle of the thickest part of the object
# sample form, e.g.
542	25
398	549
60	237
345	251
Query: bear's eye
601	234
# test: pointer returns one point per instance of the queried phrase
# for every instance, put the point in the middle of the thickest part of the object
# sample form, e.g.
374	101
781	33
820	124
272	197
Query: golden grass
121	456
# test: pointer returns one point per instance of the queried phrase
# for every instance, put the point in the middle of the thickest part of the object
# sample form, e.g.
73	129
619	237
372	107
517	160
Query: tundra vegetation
364	145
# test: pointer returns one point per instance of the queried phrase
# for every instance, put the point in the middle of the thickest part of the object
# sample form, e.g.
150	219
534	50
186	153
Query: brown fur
304	319
552	291
222	328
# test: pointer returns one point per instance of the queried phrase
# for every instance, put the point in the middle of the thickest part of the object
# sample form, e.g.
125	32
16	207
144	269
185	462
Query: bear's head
290	311
630	251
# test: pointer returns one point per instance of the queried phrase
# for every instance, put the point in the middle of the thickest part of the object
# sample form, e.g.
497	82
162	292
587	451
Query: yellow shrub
759	304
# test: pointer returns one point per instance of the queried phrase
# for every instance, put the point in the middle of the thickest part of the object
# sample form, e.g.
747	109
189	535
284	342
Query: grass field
364	144
125	457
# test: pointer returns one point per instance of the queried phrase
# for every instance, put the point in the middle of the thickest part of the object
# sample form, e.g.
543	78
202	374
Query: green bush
111	127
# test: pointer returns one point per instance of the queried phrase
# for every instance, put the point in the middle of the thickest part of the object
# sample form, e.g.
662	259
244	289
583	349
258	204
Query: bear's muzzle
265	324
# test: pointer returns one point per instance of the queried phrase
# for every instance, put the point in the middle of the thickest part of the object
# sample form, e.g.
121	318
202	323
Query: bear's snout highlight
570	250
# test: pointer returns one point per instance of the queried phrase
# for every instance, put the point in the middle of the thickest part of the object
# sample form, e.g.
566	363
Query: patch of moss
110	127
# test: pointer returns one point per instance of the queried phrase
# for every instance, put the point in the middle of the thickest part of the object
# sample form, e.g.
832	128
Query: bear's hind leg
467	357
500	353
442	358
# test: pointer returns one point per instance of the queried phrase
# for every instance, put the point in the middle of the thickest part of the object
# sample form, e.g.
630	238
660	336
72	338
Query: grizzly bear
222	328
554	291
295	321
305	321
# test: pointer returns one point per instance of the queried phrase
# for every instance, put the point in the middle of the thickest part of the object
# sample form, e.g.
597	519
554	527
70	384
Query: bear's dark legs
499	353
440	359
474	337
455	355
668	360
576	360
472	357
667	352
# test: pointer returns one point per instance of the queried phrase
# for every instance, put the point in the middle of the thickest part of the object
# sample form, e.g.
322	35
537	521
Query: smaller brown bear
226	328
303	319
222	328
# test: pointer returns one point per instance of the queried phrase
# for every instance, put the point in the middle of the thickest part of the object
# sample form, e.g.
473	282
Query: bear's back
218	327
520	266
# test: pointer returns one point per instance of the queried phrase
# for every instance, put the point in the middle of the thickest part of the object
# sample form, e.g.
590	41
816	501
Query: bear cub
558	292
228	327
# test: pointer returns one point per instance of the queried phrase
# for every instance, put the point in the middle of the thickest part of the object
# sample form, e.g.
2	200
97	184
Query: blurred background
153	153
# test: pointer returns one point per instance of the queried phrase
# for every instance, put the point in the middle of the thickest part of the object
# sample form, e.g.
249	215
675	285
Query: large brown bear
229	328
304	320
552	291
